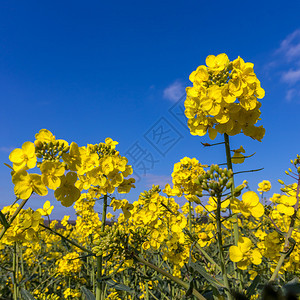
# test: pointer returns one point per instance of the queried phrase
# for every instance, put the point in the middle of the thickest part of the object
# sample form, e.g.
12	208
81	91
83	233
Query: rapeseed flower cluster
223	98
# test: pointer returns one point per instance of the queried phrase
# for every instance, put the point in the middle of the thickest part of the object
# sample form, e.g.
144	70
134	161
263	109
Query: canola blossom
224	98
199	235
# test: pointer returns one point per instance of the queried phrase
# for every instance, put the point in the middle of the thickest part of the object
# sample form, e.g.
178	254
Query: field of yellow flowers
225	242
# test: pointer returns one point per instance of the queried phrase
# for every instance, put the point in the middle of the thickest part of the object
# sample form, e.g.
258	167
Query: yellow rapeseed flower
67	192
264	186
243	254
26	184
23	158
249	205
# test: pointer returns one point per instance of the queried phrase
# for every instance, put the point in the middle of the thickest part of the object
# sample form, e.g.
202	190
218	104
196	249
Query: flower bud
38	144
238	190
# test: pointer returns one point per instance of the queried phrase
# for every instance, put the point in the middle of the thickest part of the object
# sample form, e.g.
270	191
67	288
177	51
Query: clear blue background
94	69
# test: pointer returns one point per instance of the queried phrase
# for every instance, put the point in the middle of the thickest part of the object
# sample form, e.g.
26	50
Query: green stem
288	235
21	260
229	167
209	258
190	217
4	229
100	285
146	282
190	228
171	277
66	239
221	251
15	272
235	217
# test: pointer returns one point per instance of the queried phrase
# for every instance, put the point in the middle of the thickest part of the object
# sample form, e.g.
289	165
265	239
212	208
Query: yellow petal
16	156
250	198
256	257
235	254
212	133
257	211
28	148
244	244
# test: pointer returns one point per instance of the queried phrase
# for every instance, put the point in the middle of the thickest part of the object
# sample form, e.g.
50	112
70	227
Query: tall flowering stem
229	166
220	245
100	285
168	275
235	224
15	272
288	235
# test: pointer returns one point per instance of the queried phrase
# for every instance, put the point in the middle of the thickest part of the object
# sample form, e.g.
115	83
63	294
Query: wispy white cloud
290	46
174	91
291	76
155	179
285	63
292	95
6	149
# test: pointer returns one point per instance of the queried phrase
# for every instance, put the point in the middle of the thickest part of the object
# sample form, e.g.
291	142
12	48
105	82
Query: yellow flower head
46	210
23	158
223	98
249	205
264	186
243	254
67	192
26	184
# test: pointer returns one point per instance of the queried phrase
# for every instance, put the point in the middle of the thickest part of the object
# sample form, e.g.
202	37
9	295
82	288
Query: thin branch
255	170
210	145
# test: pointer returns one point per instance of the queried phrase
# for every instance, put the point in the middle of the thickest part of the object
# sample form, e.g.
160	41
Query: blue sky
91	70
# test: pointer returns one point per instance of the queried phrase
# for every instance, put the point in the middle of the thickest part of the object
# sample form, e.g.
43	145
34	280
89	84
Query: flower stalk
288	235
221	251
100	285
168	275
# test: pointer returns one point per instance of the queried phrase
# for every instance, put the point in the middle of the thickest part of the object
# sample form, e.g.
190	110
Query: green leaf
26	295
208	277
189	291
3	220
118	286
252	287
87	293
28	279
216	294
